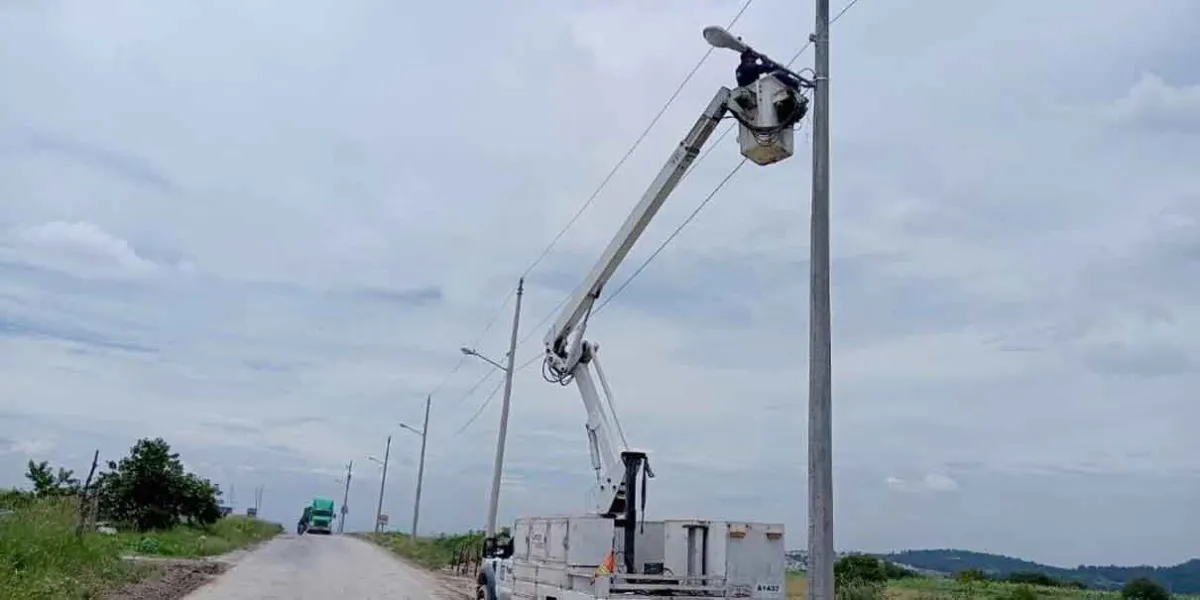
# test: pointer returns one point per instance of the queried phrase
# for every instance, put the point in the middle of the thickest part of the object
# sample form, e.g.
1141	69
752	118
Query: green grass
429	552
938	588
40	557
227	534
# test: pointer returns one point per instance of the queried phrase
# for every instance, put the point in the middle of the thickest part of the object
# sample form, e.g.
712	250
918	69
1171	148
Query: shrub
1143	588
895	571
971	576
860	591
1022	592
1032	578
857	569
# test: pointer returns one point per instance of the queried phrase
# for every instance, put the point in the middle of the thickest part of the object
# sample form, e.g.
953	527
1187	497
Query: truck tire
486	588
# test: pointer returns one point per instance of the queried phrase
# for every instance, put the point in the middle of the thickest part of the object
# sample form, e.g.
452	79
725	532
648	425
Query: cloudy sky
262	229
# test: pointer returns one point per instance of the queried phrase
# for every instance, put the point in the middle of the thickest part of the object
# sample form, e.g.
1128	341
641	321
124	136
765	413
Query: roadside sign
383	519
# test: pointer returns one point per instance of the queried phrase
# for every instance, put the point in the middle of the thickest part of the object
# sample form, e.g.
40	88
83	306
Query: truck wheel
486	590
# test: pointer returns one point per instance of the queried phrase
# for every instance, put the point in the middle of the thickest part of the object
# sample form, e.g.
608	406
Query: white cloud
79	248
1154	102
30	448
271	272
930	482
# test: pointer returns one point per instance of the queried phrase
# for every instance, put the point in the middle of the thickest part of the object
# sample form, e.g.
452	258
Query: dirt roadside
169	579
174	578
453	586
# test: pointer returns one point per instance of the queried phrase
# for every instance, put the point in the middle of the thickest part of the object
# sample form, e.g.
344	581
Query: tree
48	484
1033	578
1143	588
858	569
150	489
971	576
895	571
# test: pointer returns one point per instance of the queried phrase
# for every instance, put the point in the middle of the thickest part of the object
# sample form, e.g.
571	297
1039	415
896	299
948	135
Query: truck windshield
322	512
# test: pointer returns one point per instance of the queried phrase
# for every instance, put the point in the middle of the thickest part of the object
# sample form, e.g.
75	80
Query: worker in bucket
754	66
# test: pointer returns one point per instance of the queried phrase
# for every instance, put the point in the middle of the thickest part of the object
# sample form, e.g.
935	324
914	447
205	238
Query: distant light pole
346	496
502	436
424	433
382	480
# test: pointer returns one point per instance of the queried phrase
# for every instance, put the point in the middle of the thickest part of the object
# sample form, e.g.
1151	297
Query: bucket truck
608	553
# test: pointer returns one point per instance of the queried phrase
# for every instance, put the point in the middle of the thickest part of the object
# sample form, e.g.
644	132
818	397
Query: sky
262	231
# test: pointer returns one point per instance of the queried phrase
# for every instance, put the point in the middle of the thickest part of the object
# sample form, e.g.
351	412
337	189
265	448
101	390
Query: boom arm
577	309
569	357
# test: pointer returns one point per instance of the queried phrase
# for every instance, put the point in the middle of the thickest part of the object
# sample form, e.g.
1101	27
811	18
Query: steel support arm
606	457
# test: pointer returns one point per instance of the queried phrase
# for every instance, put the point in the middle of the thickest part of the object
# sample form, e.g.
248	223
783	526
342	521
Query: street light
423	431
502	434
718	37
387	452
473	352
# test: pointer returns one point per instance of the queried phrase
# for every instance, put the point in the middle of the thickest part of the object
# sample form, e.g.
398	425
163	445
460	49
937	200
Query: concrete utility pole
383	482
424	433
346	496
820	367
502	436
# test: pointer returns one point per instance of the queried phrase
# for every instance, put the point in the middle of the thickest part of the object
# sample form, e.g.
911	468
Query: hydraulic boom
569	356
766	111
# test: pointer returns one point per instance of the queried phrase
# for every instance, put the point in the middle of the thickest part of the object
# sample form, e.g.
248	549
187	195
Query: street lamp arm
476	354
718	37
413	429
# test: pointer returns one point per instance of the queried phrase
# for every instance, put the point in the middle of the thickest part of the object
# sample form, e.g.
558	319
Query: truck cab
320	515
492	580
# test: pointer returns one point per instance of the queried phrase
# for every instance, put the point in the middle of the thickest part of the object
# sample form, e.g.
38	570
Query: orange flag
606	567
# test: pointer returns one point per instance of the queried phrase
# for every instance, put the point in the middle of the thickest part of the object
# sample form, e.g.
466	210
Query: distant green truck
317	517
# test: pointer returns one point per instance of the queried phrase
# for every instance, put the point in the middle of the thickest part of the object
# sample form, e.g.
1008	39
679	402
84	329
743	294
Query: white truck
609	553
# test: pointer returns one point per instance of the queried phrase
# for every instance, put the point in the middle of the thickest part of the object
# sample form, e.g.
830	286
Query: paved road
320	567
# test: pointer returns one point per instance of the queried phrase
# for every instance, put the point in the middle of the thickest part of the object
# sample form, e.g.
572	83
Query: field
429	552
230	533
40	556
934	588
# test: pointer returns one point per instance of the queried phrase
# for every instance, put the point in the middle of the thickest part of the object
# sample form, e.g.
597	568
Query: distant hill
1183	578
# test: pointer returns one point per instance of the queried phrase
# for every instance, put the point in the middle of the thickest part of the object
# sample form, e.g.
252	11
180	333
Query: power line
595	193
479	411
662	246
631	149
664	243
532	359
463	359
845	8
473	388
711	194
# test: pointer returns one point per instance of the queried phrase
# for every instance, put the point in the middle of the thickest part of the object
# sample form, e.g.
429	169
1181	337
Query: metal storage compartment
690	557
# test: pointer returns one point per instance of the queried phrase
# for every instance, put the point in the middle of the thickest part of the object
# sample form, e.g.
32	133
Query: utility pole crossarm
585	296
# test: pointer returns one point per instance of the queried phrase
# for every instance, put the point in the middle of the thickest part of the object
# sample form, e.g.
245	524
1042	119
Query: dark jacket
749	72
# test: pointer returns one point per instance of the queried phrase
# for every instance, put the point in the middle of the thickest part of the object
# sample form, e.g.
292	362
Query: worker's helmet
749	55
